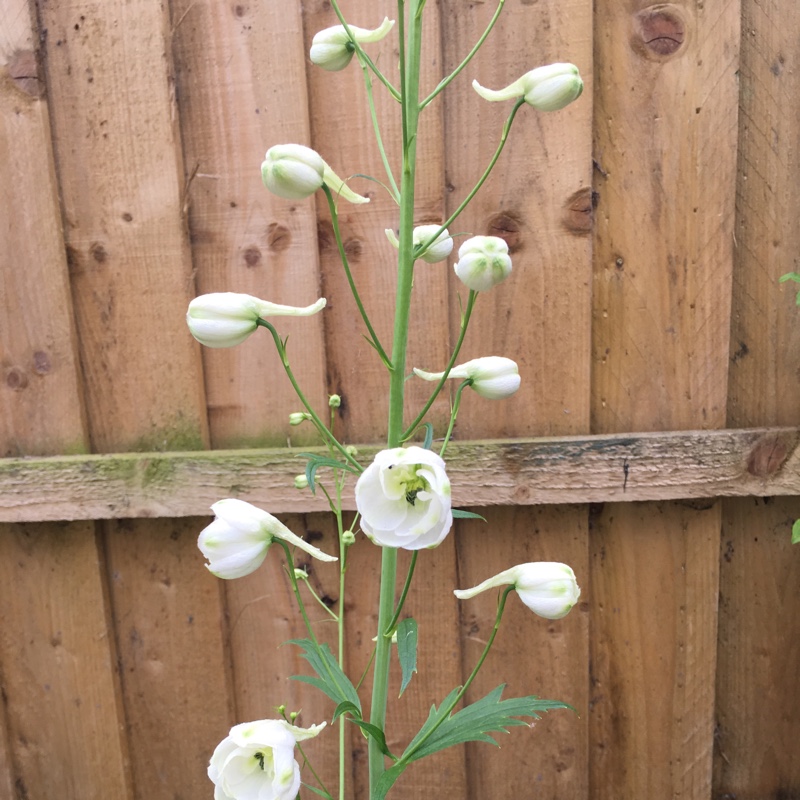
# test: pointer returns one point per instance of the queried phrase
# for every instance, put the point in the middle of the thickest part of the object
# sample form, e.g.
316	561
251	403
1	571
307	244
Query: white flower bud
548	588
332	48
298	417
548	88
493	377
351	450
300	574
334	401
348	538
294	172
483	262
438	249
300	482
225	319
236	542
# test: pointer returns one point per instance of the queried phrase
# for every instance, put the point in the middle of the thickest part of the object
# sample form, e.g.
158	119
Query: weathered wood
528	200
665	152
760	462
758	704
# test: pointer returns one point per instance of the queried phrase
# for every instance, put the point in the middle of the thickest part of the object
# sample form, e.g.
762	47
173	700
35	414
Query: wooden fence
648	223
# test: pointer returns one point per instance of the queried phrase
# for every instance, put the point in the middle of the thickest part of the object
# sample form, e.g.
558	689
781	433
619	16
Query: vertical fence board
529	199
758	706
665	117
121	177
241	82
59	675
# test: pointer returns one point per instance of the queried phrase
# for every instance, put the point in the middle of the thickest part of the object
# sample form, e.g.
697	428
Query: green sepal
346	707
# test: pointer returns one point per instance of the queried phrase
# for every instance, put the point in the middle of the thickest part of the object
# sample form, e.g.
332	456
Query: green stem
346	264
313	771
409	77
403	594
457	699
321	426
473	296
423	246
444	83
340	630
453	415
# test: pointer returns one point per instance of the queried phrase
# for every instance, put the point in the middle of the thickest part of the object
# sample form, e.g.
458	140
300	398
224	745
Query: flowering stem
501	604
409	77
446	81
423	246
346	264
403	595
473	296
321	427
454	414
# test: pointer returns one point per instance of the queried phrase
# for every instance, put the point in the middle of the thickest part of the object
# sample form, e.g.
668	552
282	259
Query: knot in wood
279	237
507	228
769	454
577	216
659	32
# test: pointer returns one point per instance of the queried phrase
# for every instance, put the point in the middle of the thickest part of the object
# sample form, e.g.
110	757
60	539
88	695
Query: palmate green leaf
407	650
330	679
473	723
315	462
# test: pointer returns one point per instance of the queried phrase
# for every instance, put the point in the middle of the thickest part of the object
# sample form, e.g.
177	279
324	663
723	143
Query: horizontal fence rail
759	462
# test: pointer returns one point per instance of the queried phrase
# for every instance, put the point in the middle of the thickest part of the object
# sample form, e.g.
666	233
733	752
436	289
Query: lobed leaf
331	680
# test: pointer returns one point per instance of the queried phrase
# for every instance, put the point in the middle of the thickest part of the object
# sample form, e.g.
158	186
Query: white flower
236	542
548	88
225	319
294	172
548	588
403	497
332	48
493	377
438	250
483	262
256	761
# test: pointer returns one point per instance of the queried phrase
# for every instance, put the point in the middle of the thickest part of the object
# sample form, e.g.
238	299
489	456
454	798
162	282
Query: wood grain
665	145
758	706
760	462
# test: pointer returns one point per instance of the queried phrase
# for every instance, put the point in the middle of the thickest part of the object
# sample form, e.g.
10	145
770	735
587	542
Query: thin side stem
403	595
453	415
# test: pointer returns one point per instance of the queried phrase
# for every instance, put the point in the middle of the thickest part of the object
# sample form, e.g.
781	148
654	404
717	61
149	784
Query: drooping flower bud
294	172
298	417
225	319
438	250
236	542
300	482
483	262
332	48
548	588
547	88
493	377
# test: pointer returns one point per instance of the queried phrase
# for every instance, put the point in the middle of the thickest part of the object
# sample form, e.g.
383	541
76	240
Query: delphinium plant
403	497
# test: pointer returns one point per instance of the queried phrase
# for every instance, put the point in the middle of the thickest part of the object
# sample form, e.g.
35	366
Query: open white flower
225	319
236	542
483	262
403	497
294	172
548	588
332	48
547	88
493	377
256	761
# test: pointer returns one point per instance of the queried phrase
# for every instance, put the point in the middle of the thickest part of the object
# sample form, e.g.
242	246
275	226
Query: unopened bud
334	401
300	482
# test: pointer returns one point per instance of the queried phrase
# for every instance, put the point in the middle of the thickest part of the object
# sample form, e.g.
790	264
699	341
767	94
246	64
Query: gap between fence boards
759	462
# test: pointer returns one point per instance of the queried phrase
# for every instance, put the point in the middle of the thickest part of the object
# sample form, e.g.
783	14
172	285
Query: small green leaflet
316	791
796	532
426	445
407	650
315	462
377	734
791	276
331	680
460	513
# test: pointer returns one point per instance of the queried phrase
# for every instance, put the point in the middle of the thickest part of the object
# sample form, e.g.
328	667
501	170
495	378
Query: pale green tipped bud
225	319
483	262
300	482
298	417
300	574
332	48
334	401
292	171
341	189
548	588
547	88
493	377
348	538
351	450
